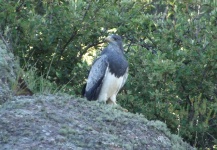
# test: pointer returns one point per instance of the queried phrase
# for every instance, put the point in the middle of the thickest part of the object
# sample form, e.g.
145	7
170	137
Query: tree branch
73	35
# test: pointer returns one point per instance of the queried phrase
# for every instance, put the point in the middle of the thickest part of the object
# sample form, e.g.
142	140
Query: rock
8	72
11	82
64	122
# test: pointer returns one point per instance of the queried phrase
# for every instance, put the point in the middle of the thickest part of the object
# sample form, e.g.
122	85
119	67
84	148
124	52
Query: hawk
108	73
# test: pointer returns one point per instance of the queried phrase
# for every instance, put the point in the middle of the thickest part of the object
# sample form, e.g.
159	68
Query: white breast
110	87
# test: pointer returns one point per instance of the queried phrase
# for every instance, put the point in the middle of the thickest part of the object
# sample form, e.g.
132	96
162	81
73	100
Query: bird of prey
108	73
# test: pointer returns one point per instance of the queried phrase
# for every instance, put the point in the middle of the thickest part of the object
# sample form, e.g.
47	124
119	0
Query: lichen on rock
8	72
65	122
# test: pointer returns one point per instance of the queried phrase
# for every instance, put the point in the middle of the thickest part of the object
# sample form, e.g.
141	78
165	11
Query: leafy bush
170	46
177	83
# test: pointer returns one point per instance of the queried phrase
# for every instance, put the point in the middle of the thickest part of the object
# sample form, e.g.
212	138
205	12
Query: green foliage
170	46
177	84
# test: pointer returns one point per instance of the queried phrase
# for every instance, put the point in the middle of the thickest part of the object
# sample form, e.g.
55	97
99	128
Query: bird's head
114	40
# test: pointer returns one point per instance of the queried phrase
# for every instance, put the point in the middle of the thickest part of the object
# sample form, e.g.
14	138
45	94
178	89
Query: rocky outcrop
8	72
65	122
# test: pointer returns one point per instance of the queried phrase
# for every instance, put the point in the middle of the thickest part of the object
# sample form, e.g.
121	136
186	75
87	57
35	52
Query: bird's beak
108	39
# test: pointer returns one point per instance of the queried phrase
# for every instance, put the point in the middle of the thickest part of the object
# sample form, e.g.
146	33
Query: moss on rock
7	72
64	122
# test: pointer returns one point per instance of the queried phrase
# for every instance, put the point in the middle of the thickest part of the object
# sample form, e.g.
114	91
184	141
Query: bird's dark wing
95	78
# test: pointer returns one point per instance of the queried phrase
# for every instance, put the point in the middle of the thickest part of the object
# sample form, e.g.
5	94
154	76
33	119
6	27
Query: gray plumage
108	72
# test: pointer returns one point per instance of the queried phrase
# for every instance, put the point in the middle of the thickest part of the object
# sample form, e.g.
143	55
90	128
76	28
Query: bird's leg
102	98
112	101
